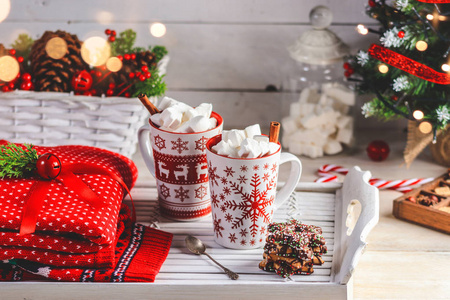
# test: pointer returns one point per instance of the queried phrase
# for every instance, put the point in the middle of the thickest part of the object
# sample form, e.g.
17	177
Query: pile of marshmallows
247	143
177	116
319	122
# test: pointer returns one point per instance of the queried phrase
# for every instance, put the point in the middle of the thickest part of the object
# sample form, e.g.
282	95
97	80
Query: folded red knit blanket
64	212
140	253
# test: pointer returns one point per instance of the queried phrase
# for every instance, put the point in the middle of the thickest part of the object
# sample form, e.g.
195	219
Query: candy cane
403	186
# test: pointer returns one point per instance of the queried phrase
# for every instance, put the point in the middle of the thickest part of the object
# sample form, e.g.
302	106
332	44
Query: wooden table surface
402	260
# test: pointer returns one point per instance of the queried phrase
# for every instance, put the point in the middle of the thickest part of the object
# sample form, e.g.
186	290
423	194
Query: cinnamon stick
274	132
148	105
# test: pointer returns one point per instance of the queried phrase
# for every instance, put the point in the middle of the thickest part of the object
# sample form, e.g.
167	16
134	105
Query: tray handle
349	248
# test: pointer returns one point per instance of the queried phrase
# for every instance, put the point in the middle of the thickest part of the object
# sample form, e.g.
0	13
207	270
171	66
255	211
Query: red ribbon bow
35	198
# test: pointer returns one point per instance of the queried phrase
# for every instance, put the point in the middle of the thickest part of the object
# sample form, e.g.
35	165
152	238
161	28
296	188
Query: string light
445	68
362	29
421	45
418	115
383	68
425	127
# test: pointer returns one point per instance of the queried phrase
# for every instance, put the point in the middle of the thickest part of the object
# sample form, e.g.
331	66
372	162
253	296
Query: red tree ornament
82	81
378	150
48	166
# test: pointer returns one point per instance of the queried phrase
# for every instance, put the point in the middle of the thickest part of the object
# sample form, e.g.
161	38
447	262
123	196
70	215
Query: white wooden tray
188	276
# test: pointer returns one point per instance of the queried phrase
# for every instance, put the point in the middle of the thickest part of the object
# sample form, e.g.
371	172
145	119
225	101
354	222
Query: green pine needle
16	162
154	86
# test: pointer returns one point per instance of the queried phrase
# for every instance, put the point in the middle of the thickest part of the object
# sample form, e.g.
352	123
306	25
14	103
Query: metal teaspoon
197	247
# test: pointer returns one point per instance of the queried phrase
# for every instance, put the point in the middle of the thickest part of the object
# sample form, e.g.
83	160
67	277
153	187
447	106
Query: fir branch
154	86
123	43
22	45
16	162
160	52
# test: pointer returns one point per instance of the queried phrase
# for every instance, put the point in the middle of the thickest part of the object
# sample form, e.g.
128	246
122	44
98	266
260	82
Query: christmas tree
408	71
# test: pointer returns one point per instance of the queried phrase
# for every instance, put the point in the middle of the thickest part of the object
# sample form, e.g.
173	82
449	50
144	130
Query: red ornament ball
372	3
378	150
82	81
48	166
401	34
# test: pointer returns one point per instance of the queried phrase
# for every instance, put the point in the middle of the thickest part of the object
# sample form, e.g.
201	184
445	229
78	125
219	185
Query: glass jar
317	102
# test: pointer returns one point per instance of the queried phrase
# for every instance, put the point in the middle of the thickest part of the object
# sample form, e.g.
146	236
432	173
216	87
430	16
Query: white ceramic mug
244	196
178	162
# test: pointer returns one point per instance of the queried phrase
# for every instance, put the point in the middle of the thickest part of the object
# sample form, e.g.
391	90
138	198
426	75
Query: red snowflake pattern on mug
179	145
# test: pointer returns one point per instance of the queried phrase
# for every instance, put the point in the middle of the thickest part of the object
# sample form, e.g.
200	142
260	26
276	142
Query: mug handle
146	148
294	176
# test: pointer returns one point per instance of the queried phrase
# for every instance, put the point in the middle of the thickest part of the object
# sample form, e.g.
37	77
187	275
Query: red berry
20	59
144	69
142	77
401	34
133	56
126	56
87	93
108	31
5	88
109	92
348	73
26	76
372	3
26	85
11	85
127	94
93	92
112	86
131	75
120	57
378	150
12	52
347	66
113	32
148	75
138	74
48	166
98	74
112	38
395	98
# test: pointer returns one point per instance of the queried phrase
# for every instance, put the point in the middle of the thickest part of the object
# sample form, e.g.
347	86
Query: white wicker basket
50	119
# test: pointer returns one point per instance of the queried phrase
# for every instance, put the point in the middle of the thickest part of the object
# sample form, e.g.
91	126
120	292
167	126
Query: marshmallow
344	121
273	147
166	102
204	109
199	124
223	148
295	147
261	138
264	146
345	136
289	125
212	123
312	151
252	130
295	110
339	92
156	119
171	117
332	146
234	137
250	148
189	114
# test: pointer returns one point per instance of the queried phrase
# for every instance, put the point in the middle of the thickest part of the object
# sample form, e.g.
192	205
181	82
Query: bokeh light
114	64
9	68
56	48
362	29
5	7
421	45
418	114
383	68
430	17
425	127
95	51
445	67
158	29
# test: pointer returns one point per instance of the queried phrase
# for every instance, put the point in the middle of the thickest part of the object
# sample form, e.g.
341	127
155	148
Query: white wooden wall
222	51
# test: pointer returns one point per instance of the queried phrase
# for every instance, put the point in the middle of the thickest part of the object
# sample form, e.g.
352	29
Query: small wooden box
428	216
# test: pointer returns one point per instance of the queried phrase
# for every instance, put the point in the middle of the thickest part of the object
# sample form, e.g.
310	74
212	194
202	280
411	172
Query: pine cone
3	50
56	74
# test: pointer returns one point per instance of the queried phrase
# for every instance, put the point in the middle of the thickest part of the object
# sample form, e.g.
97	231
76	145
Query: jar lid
319	46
